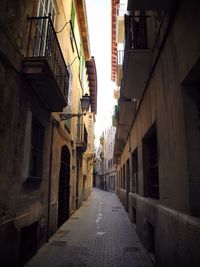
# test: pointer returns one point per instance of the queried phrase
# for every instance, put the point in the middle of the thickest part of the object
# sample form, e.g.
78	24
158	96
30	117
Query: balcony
137	56
120	23
115	117
127	112
120	57
156	5
118	147
82	138
44	65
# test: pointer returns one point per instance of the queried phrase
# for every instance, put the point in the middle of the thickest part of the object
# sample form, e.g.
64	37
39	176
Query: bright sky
99	23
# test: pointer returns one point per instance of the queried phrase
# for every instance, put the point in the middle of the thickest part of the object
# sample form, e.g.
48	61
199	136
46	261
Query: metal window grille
36	153
151	163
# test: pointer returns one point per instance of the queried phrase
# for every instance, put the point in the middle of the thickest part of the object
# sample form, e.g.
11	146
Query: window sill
32	183
34	179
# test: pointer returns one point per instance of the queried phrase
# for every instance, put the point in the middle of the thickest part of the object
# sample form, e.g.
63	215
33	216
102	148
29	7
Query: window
151	241
150	164
72	24
135	171
79	124
127	176
68	108
73	14
123	186
191	94
36	153
121	179
28	242
45	8
134	215
81	68
117	179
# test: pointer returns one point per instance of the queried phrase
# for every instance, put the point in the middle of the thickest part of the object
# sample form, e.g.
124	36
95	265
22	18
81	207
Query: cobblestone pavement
98	234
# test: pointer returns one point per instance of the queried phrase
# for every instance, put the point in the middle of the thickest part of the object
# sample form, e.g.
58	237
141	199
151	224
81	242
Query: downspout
49	184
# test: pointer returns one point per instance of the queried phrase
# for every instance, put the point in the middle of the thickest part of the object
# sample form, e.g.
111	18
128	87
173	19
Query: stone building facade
46	163
98	165
109	170
157	136
104	167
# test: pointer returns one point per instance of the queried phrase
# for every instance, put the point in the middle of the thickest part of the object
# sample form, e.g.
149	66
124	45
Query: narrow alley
99	133
98	234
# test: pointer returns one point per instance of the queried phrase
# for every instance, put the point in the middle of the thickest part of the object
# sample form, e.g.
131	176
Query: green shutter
72	14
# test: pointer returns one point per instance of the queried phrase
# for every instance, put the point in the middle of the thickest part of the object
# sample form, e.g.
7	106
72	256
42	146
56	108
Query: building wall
27	206
108	167
172	221
98	168
89	156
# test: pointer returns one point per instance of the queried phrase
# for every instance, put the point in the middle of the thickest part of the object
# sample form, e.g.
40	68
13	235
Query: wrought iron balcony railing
121	9
135	37
43	44
82	136
136	31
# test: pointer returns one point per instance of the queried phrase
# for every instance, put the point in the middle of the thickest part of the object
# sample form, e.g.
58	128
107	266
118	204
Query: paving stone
99	234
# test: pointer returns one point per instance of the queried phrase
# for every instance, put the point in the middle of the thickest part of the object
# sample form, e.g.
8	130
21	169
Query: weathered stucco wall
167	103
24	203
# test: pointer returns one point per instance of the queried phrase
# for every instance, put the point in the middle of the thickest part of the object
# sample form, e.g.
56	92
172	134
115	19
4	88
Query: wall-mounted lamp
85	105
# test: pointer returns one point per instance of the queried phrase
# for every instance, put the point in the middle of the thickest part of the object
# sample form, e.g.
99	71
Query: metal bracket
64	117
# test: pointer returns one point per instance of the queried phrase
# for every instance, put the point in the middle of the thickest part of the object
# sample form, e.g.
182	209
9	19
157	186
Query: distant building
104	168
98	166
110	169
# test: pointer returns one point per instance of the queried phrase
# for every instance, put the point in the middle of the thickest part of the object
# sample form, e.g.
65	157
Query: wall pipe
54	122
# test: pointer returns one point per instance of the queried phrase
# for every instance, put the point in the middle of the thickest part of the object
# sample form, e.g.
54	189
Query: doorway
64	186
127	184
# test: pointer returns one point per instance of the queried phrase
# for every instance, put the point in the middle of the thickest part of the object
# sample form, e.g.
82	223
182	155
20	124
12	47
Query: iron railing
82	135
121	10
43	44
135	36
136	31
120	57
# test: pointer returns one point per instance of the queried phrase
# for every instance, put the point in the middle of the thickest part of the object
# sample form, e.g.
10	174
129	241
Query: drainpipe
54	122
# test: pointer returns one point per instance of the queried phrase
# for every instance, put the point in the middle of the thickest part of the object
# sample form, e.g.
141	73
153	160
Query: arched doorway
64	186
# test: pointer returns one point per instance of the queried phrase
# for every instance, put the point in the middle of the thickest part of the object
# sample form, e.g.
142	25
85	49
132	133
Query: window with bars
135	171
36	153
45	8
150	163
124	177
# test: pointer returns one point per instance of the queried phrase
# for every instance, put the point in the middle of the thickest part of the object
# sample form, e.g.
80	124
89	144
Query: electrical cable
63	27
74	38
72	62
